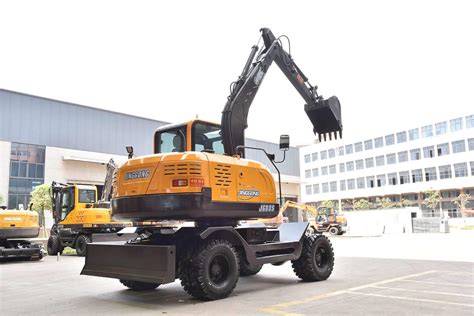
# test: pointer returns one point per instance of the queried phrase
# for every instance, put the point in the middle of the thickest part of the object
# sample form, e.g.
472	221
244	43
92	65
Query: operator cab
68	198
197	135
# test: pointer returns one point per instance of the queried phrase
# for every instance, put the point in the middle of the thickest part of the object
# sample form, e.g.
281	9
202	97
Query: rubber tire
81	245
334	230
195	276
245	269
140	286
306	266
54	246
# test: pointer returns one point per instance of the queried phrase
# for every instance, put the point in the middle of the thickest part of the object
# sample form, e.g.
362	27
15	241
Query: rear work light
180	182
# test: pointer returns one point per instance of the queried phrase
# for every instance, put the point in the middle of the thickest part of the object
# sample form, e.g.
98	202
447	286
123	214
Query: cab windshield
207	138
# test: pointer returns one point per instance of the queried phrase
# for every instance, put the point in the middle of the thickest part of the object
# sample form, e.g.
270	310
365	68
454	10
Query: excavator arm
324	114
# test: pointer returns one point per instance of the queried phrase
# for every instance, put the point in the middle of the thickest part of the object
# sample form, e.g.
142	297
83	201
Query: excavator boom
324	114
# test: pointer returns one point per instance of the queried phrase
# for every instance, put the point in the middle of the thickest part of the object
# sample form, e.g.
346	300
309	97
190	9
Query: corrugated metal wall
41	121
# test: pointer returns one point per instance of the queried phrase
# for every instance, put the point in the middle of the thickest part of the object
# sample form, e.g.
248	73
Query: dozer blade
325	116
145	263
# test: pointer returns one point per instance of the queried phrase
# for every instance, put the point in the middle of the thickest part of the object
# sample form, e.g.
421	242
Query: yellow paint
18	219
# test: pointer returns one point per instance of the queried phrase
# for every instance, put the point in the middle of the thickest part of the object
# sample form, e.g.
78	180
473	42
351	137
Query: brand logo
258	77
267	208
248	194
138	174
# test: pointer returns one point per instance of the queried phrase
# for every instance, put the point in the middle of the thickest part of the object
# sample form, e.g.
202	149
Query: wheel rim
219	269
333	231
321	257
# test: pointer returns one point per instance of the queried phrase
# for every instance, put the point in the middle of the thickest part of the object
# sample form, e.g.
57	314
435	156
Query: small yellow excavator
80	219
16	226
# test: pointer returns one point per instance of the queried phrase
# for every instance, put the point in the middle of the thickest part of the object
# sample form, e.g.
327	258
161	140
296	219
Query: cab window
67	202
87	196
173	140
207	138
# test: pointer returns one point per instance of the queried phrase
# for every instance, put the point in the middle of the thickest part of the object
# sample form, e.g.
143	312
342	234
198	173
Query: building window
391	159
441	128
315	172
416	175
404	177
307	173
450	194
470	143
427	131
470	121
324	155
415	154
389	140
380	160
445	172
359	164
342	185
314	156
360	183
413	134
307	158
333	186
26	173
315	188
350	184
332	153
342	167
349	149
325	187
341	151
401	137
443	149
308	190
381	180
402	156
370	182
324	171
332	169
368	144
460	170
428	152
472	168
350	166
358	147
392	179
369	162
459	146
455	124
430	174
378	142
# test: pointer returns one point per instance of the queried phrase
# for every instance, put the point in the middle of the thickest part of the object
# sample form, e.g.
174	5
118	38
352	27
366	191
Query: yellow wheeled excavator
16	227
79	218
199	173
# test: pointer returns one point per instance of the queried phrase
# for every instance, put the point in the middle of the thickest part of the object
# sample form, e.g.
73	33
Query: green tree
384	203
41	199
432	199
461	201
1	200
406	203
327	203
361	204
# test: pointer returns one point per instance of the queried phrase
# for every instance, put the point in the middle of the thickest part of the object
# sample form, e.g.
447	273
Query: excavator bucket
326	118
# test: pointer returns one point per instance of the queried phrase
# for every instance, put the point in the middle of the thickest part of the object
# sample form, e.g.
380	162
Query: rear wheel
334	230
140	286
81	245
54	245
317	259
213	271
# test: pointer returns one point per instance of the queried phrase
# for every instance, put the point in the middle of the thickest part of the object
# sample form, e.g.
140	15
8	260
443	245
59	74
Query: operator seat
178	143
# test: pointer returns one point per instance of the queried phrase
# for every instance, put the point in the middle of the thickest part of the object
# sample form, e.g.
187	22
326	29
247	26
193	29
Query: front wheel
213	271
140	286
334	230
317	259
54	246
81	245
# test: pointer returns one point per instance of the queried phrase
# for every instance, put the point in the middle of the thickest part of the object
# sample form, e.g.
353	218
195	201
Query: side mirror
129	151
284	142
31	207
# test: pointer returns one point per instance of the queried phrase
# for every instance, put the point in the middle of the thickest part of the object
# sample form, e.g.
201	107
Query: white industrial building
398	165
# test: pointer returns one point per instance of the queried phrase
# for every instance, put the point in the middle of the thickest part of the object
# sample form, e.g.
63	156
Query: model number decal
267	208
138	174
